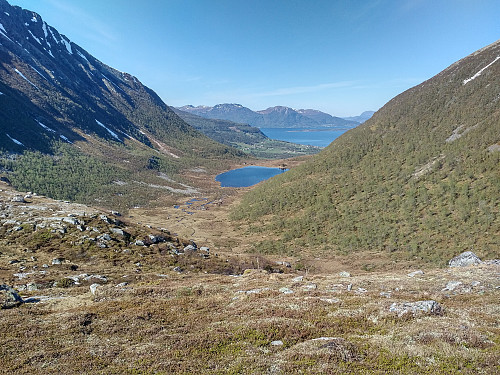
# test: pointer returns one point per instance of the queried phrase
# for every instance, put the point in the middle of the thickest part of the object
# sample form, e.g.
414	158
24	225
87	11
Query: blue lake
246	176
315	137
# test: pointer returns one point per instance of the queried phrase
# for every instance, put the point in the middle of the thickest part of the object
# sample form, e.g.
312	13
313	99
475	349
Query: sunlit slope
420	180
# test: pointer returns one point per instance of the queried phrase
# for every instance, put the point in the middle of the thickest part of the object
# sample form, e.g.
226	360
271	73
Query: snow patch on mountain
109	130
14	140
23	76
33	19
34	37
68	46
44	28
4	32
479	73
82	56
45	127
41	75
65	138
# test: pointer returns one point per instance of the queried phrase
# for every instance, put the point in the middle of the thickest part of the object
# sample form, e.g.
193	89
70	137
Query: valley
377	253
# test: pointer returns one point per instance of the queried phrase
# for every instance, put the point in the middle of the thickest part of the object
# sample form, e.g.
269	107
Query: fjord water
304	136
246	176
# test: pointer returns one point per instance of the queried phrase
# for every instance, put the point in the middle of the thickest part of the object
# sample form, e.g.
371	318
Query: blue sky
338	56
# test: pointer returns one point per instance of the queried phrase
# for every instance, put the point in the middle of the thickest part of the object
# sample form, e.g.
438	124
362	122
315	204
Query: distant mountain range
419	181
54	95
273	117
366	115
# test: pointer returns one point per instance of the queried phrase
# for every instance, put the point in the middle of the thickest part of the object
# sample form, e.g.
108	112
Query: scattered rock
139	243
286	290
297	279
205	249
385	294
415	273
310	286
344	274
277	343
121	285
415	308
9	297
18	199
177	269
452	285
190	248
93	288
465	259
57	261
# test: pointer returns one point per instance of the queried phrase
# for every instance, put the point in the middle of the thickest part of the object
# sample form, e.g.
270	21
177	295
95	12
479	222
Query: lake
246	176
315	137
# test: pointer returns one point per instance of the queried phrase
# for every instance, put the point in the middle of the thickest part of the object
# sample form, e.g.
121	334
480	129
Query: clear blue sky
338	56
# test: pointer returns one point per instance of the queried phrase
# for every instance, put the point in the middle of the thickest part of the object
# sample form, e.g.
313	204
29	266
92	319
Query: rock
139	243
177	269
415	308
14	261
205	249
465	259
385	294
452	285
30	287
116	213
9	297
415	273
119	232
93	288
18	199
106	219
121	285
310	286
285	290
344	274
349	287
297	279
57	261
190	248
105	237
277	343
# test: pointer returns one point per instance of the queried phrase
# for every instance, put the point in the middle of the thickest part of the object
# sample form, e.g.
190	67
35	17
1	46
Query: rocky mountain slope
419	180
273	117
55	95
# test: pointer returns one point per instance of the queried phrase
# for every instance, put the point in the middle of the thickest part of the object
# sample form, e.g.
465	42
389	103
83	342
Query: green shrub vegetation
395	184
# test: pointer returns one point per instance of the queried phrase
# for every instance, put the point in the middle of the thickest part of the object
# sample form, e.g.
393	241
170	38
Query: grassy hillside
420	180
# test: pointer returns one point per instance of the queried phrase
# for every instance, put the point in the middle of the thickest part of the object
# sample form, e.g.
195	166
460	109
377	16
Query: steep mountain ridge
272	117
55	94
418	180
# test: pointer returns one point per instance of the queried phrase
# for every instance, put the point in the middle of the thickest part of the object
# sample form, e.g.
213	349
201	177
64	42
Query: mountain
273	117
366	115
232	112
56	96
418	181
245	137
323	118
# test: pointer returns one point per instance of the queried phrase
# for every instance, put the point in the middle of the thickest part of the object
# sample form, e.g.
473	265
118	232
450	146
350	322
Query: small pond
246	176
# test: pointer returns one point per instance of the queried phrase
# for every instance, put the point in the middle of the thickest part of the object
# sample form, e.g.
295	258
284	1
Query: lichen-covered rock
9	298
467	258
415	308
